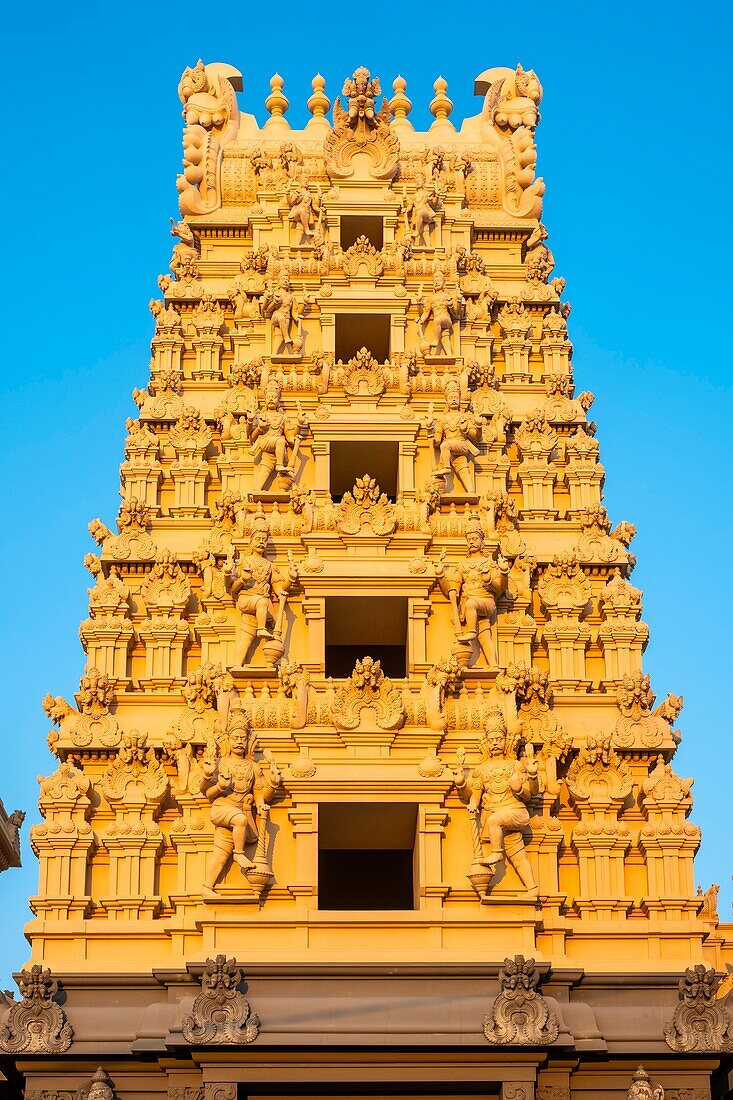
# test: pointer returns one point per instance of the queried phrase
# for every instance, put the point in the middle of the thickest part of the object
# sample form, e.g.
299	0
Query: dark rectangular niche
354	226
355	331
360	626
353	459
366	855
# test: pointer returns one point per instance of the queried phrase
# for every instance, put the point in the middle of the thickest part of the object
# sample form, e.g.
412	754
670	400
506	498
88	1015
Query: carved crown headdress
473	525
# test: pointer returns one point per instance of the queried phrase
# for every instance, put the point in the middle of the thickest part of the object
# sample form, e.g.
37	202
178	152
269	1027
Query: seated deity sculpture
472	588
439	310
239	789
255	584
455	434
497	792
273	434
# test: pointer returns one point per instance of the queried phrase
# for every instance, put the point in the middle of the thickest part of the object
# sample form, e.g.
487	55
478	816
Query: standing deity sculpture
255	584
306	212
455	434
472	588
442	308
285	313
420	211
497	792
272	432
240	789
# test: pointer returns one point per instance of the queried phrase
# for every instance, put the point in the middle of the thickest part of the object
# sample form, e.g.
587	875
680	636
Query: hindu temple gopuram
364	791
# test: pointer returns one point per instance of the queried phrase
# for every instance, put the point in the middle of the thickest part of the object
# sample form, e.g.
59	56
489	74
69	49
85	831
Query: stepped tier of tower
362	582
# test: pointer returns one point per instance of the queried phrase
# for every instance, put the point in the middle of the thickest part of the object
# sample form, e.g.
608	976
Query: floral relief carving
700	1022
37	1024
638	724
221	1013
520	1016
363	375
365	510
135	776
368	687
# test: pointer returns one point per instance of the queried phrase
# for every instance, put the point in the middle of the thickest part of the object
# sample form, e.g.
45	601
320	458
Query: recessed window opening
350	460
366	855
354	226
366	626
355	331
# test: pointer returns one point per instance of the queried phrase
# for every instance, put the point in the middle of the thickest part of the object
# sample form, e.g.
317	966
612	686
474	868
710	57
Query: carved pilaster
134	784
565	592
64	844
537	473
583	473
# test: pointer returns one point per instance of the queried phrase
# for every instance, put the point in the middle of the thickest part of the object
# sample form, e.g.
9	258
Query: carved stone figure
361	90
272	432
285	313
186	253
220	1012
361	129
420	211
441	308
305	212
520	1016
240	789
455	434
37	1024
472	588
255	583
496	793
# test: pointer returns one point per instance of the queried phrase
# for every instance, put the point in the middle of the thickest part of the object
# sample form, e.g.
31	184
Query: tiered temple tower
364	787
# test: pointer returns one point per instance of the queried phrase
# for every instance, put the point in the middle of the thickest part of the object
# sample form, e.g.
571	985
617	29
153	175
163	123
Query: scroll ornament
700	1021
37	1024
520	1016
221	1013
368	687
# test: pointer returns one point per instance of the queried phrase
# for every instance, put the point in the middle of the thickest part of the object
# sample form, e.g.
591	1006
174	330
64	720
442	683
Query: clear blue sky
635	147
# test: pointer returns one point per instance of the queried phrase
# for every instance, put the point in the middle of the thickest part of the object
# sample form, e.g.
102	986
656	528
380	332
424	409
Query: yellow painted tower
365	790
